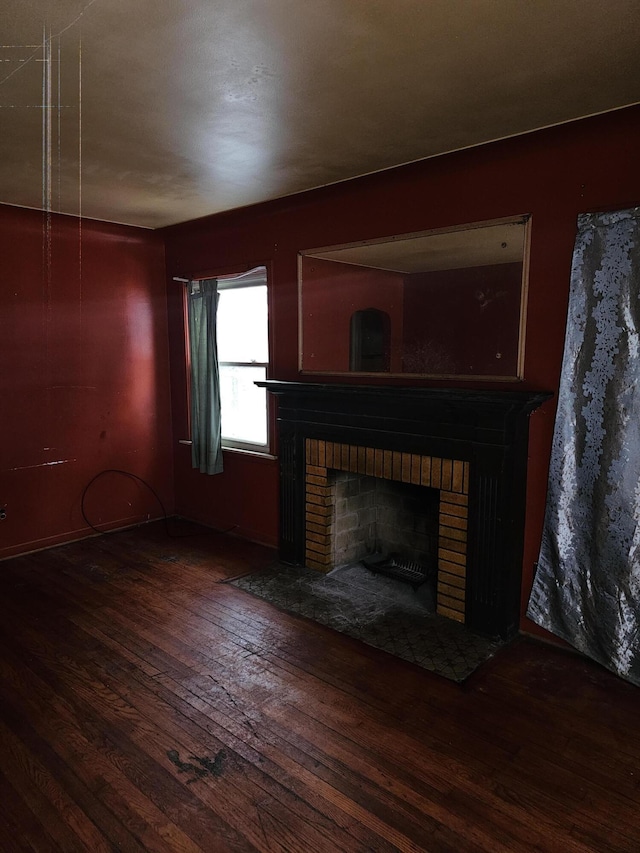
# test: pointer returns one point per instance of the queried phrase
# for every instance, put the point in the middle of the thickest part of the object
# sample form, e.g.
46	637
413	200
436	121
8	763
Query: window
227	350
243	356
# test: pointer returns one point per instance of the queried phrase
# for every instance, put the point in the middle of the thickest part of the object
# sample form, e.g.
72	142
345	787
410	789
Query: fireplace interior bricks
373	516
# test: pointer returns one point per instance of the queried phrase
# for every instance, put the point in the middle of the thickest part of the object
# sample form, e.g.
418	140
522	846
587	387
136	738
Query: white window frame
256	277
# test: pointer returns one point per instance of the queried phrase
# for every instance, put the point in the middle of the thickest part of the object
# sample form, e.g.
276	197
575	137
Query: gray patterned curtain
587	584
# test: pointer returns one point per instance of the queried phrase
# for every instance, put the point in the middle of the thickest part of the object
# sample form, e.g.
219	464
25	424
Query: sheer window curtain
206	447
587	584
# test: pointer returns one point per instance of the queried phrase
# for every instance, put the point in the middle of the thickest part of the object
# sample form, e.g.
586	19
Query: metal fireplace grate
394	566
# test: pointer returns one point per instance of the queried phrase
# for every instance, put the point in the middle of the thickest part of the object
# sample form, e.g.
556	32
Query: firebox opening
375	518
449	478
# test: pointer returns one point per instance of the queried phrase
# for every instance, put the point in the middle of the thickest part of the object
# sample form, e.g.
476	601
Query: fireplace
469	446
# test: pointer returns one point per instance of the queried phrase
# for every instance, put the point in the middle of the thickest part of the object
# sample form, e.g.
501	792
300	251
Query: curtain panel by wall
206	441
587	584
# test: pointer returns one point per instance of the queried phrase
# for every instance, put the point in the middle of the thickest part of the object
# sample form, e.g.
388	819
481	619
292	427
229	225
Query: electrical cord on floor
165	517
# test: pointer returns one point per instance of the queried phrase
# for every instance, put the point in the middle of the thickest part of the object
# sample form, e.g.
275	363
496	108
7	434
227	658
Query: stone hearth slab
384	613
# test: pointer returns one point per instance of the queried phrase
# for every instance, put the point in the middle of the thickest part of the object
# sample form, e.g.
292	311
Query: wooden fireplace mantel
487	429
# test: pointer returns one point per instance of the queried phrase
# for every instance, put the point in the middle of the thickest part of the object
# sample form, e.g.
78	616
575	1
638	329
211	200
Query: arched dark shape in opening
370	341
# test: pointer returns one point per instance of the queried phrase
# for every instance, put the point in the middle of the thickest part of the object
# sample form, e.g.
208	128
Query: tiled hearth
449	476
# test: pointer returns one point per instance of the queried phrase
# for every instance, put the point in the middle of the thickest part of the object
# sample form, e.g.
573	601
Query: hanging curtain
206	447
587	584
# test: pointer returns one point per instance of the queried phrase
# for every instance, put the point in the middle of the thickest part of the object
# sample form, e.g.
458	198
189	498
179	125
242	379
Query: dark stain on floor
203	766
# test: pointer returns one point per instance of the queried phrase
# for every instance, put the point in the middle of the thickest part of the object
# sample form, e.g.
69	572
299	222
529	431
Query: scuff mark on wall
43	464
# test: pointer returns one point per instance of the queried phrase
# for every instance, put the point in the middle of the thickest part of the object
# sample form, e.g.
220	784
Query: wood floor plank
65	823
207	663
454	799
276	758
239	805
510	840
133	768
100	767
150	697
147	705
20	827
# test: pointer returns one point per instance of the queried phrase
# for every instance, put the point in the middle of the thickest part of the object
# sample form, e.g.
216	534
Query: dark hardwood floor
146	706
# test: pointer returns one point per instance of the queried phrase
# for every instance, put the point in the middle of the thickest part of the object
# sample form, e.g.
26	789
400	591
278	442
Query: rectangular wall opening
373	516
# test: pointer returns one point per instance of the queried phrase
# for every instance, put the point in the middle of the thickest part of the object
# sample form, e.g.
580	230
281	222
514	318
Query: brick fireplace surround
471	445
450	476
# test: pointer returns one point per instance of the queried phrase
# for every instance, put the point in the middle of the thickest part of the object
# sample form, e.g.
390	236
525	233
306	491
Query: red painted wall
84	376
463	321
331	293
553	175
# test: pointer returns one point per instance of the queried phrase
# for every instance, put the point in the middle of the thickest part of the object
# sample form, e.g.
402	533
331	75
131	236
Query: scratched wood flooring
146	706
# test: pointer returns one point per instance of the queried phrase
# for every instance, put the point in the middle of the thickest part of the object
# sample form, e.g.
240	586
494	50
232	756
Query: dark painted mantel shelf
489	429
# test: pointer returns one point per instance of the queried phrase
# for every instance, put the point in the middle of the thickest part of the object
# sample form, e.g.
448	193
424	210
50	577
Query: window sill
257	454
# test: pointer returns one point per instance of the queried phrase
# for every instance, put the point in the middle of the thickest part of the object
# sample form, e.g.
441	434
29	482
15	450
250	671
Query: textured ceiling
157	111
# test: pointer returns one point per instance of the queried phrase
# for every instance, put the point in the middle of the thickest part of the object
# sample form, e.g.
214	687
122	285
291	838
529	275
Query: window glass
242	324
243	354
243	404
